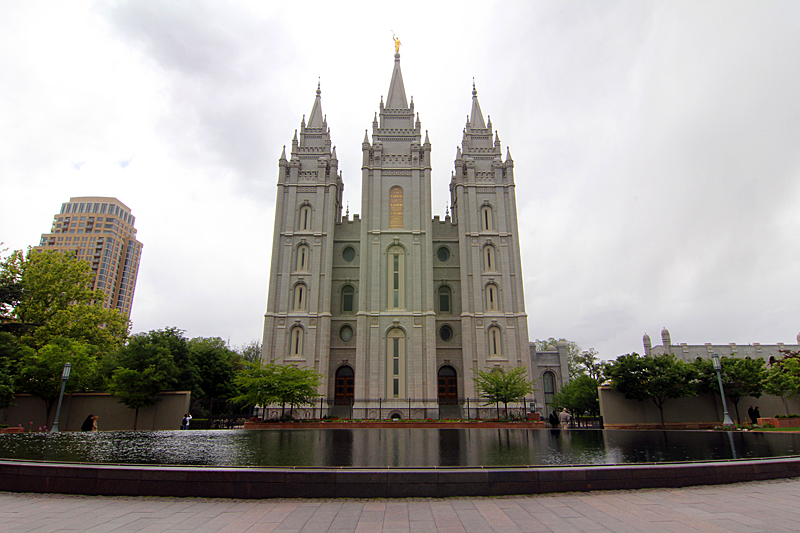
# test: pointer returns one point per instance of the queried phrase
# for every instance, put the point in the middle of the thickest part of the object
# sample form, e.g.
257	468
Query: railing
404	408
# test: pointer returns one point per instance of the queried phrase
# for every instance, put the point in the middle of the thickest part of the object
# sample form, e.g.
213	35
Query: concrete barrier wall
227	482
704	408
30	412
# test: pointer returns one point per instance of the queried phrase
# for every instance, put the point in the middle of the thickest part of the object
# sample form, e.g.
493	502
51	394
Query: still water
395	447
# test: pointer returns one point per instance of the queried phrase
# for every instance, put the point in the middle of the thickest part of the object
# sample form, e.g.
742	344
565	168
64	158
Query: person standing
756	415
90	424
751	414
564	417
185	422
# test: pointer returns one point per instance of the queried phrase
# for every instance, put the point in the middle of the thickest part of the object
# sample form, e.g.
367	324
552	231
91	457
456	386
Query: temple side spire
316	120
476	117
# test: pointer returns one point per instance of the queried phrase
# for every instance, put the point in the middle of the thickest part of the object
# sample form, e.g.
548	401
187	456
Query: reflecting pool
395	447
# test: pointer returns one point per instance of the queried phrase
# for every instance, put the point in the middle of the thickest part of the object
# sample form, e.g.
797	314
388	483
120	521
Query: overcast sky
656	146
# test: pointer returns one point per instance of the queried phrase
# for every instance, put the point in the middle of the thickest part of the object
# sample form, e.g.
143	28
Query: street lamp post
64	378
726	421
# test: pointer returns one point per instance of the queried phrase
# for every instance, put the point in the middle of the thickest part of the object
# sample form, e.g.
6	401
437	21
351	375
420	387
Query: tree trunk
136	419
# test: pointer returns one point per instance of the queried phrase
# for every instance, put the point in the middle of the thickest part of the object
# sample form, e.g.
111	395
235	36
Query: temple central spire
396	99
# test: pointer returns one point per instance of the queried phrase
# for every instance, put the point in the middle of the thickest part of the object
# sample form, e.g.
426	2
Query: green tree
45	295
217	362
741	377
39	372
268	383
579	362
657	378
579	396
6	384
783	377
147	368
501	385
250	352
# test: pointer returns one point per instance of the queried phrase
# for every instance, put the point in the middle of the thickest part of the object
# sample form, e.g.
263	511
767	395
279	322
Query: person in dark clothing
553	419
89	424
756	415
751	414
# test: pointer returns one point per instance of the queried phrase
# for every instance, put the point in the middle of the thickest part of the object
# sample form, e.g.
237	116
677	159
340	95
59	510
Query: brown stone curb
245	482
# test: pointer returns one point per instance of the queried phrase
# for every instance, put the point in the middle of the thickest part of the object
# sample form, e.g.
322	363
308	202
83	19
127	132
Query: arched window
396	207
300	297
348	299
302	258
305	218
396	281
296	348
396	350
495	344
492	295
487	223
444	299
549	386
489	259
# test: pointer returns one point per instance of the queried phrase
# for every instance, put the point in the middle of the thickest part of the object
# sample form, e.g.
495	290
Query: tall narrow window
395	383
549	385
444	299
302	258
486	218
491	297
348	295
300	297
495	346
296	348
305	217
396	281
489	260
396	207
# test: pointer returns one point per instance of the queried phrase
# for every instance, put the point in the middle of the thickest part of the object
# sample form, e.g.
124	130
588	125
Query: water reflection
395	447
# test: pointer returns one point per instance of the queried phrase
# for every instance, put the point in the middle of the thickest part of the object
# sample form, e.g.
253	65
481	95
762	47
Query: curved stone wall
229	482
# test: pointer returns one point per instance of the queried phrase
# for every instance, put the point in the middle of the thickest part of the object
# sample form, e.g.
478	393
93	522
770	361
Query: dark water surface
395	447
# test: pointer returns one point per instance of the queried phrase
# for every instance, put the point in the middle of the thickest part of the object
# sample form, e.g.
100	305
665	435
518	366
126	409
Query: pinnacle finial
474	90
319	85
447	209
347	212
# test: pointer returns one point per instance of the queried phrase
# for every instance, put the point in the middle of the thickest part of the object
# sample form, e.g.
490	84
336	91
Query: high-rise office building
99	230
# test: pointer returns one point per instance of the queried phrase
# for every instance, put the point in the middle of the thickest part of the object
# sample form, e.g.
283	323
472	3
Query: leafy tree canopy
218	364
783	378
269	383
39	372
579	362
579	396
657	378
45	295
503	385
740	377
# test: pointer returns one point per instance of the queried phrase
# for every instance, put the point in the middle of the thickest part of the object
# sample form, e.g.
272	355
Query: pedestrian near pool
185	422
90	424
751	413
564	417
756	414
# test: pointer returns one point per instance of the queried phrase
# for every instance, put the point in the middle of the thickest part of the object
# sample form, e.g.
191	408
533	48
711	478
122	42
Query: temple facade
397	309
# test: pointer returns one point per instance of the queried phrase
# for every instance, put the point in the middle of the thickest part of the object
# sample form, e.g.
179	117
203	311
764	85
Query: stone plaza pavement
769	506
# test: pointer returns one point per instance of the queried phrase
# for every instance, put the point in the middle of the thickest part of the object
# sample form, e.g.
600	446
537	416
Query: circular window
349	253
443	254
446	333
346	333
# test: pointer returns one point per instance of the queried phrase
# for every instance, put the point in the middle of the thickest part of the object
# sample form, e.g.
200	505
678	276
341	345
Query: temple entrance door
448	386
345	386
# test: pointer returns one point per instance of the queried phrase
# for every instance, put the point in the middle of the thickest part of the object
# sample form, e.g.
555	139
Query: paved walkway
769	506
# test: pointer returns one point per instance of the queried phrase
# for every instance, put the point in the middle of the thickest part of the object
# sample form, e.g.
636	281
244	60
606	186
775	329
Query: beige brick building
396	308
100	231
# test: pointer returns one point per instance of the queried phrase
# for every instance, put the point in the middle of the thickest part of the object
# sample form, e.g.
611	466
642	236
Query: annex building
396	308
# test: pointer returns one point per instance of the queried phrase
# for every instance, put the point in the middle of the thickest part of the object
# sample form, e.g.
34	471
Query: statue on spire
396	43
